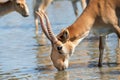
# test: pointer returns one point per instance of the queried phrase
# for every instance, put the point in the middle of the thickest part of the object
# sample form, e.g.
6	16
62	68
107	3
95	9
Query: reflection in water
61	75
118	56
41	40
118	61
43	54
111	69
23	57
83	62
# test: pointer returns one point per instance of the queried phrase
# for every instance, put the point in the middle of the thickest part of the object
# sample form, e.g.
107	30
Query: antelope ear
63	36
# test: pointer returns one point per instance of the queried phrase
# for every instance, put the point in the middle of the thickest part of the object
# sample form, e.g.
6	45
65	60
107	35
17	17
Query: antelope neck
6	8
83	24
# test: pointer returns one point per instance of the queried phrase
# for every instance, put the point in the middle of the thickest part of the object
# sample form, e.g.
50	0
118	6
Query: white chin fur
66	63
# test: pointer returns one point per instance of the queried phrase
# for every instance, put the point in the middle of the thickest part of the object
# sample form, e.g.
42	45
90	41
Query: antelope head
21	7
62	47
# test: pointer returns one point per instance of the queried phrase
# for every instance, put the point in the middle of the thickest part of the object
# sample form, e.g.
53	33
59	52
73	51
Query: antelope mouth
25	15
60	52
61	68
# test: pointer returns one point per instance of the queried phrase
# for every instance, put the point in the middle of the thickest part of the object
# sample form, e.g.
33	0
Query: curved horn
51	34
43	25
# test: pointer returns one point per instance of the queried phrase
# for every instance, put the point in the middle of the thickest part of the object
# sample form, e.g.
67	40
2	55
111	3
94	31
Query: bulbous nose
25	15
59	48
62	67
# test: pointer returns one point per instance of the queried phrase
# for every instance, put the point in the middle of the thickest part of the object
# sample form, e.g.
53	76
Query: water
24	57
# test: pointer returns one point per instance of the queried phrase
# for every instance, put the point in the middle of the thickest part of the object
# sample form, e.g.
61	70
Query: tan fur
99	17
19	6
97	14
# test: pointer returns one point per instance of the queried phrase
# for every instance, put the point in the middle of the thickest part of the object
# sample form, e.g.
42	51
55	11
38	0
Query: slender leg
117	30
84	3
118	36
118	56
118	42
101	49
36	26
74	4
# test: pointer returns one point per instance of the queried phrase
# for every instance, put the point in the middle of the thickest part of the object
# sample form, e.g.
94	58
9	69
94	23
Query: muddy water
26	57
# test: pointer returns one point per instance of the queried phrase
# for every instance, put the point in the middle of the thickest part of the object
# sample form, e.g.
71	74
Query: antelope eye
59	48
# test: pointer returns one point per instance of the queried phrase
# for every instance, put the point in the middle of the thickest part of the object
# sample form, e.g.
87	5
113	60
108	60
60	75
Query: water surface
26	57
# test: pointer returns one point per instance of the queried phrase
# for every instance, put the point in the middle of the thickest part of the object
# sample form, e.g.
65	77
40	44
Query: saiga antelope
99	17
19	6
39	5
